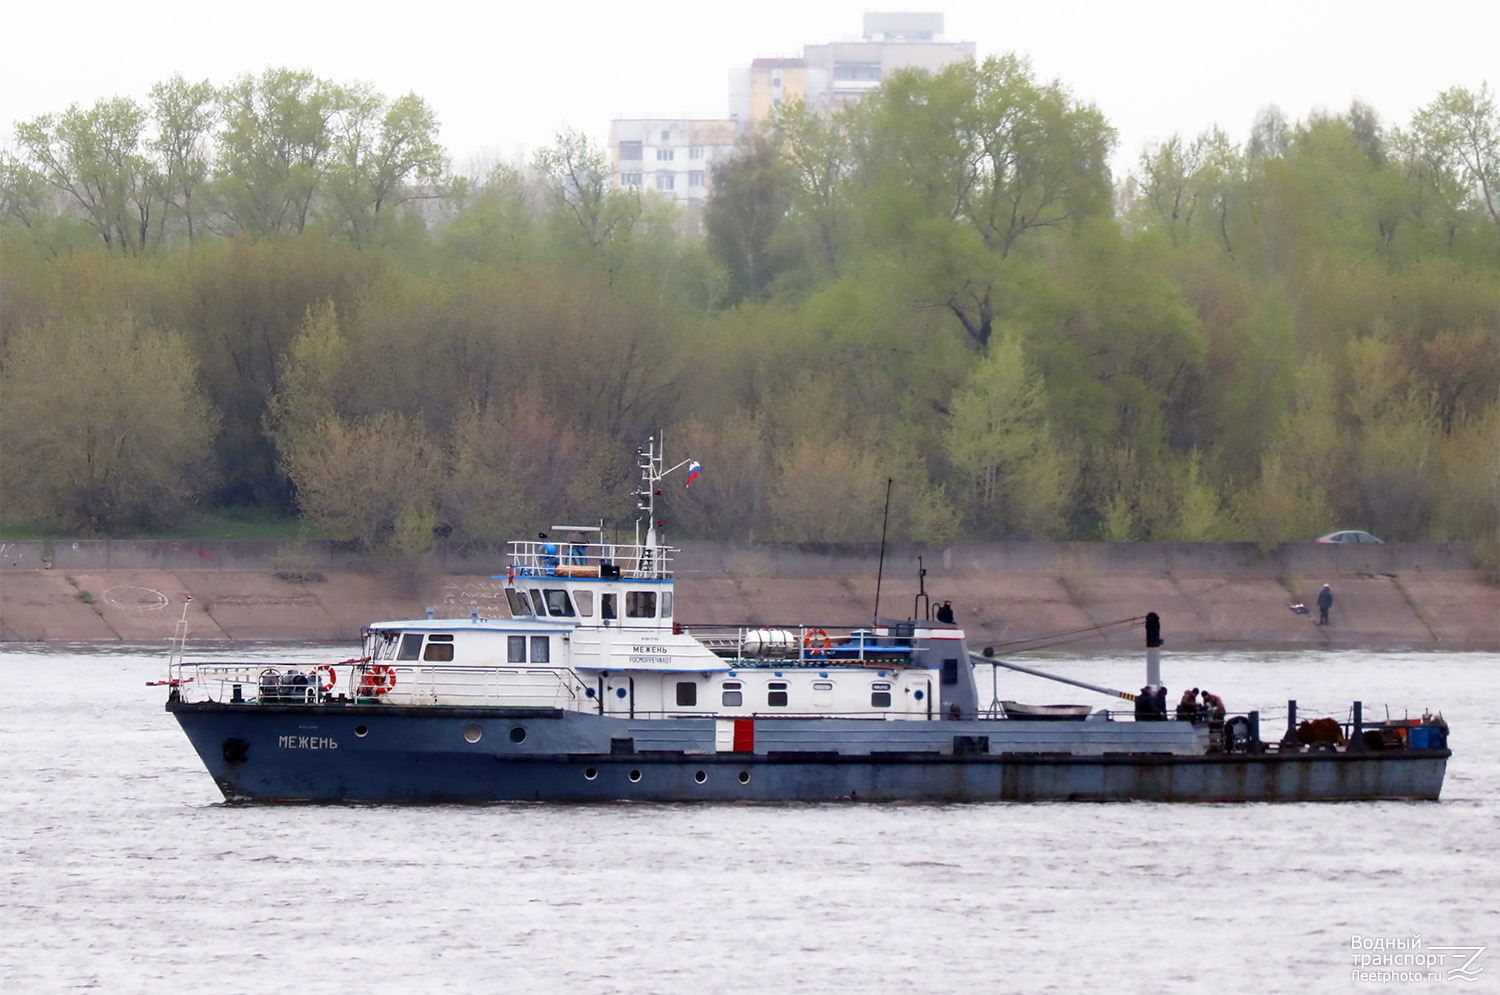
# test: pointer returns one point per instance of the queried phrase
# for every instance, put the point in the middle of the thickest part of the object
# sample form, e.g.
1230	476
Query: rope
1066	636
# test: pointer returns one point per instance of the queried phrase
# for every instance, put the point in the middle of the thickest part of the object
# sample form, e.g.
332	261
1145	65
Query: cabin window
950	671
880	695
518	604
558	603
640	604
666	604
607	606
411	646
687	693
540	649
517	649
732	694
439	649
822	692
537	602
584	601
776	694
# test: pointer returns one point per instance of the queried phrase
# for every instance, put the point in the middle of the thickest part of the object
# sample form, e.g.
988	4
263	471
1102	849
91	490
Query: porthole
361	731
744	777
700	777
917	695
518	735
590	774
619	692
473	734
635	776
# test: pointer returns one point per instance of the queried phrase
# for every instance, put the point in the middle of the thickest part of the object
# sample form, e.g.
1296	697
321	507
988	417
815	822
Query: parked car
1348	535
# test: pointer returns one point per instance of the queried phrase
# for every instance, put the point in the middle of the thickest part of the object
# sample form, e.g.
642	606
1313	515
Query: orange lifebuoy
332	676
811	638
377	680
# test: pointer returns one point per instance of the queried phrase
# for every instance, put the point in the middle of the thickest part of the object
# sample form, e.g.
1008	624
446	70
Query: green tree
1014	479
185	114
384	155
959	165
358	480
274	149
94	158
105	427
751	197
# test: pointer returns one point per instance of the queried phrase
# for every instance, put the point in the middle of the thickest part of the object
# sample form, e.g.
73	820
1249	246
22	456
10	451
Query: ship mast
649	459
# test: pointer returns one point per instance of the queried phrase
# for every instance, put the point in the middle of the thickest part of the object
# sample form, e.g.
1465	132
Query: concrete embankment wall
1419	595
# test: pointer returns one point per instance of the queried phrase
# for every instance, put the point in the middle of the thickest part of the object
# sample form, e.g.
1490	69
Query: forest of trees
276	294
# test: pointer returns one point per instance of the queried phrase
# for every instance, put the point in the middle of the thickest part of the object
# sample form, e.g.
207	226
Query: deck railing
552	558
383	681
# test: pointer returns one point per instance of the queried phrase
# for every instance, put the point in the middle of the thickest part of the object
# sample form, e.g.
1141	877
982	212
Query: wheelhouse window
558	603
584	601
687	693
439	649
733	695
776	695
666	604
541	649
880	695
640	604
519	606
516	649
411	646
537	603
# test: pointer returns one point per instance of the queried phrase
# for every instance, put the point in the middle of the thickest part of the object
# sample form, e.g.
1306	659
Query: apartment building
675	157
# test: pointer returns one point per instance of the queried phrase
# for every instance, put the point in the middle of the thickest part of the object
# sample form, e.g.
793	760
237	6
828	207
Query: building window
776	102
687	693
630	179
695	179
880	696
665	181
695	152
517	647
640	604
540	649
664	155
775	82
630	151
776	694
666	135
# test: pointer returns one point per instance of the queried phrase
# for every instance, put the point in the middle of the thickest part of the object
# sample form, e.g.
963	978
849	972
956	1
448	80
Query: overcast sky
504	78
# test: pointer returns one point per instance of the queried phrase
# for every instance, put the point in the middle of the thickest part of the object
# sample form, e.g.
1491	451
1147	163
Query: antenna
880	570
922	594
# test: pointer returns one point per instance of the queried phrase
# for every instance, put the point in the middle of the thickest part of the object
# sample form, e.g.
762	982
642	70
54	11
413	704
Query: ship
593	690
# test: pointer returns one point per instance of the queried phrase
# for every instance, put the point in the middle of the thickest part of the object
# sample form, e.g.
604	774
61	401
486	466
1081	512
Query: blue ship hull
432	754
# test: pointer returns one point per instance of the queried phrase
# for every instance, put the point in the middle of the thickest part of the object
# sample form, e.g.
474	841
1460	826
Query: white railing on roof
554	558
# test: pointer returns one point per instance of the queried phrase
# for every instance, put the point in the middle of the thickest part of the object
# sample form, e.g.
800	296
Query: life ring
332	676
377	680
810	640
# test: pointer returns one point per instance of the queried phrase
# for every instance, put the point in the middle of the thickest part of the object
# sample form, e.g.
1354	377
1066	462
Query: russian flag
693	469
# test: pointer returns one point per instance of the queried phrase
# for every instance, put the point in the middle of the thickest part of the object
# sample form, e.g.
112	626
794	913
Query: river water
123	871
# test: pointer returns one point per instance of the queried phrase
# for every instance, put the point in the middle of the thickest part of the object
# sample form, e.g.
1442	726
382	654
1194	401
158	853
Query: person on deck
1214	704
1325	602
1187	708
945	613
1145	705
1161	703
